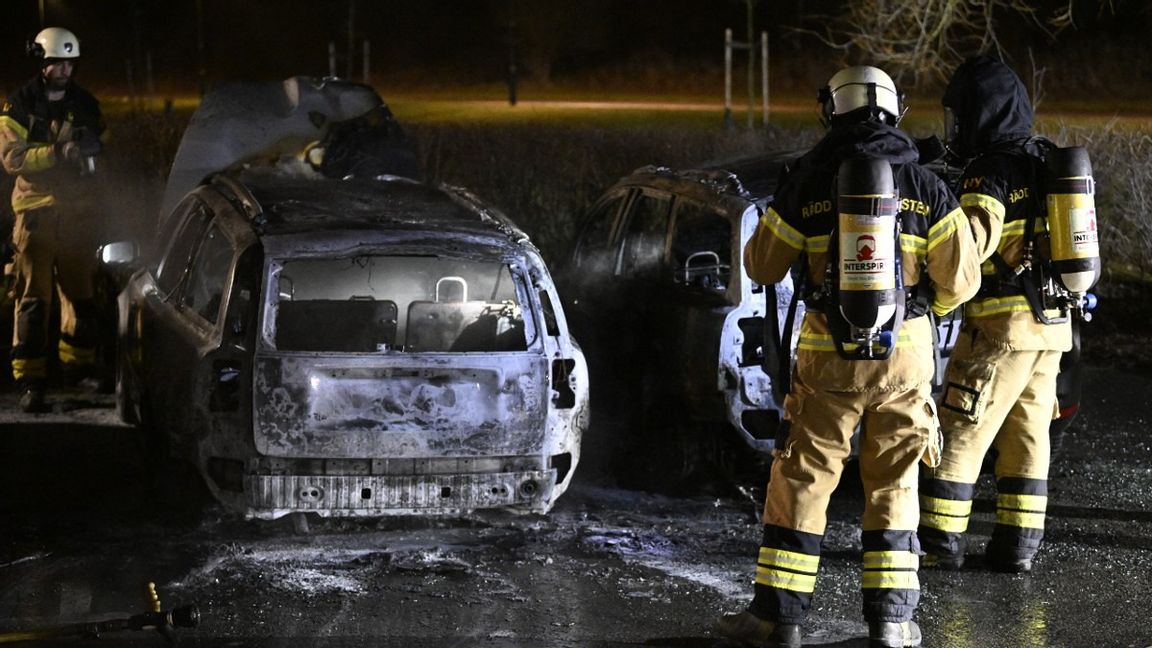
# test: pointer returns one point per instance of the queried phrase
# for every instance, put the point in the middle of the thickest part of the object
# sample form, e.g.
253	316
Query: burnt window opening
702	247
375	303
204	289
176	260
551	326
644	243
593	253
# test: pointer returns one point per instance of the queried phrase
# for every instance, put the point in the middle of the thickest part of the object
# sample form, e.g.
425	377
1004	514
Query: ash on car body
334	337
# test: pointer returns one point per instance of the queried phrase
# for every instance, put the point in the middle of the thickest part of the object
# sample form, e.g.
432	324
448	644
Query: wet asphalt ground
80	538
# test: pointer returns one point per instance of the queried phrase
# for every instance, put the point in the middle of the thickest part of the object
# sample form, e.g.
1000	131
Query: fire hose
155	618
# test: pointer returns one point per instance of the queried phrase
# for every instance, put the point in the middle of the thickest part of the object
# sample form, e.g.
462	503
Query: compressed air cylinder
867	205
1072	219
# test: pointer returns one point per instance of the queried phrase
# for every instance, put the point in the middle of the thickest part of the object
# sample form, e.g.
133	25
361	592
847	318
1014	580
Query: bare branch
916	40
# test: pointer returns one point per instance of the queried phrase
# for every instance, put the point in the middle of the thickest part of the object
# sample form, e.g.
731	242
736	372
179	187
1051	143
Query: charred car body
684	348
346	346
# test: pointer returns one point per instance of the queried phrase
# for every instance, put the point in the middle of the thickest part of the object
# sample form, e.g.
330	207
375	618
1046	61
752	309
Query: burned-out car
359	345
691	358
674	326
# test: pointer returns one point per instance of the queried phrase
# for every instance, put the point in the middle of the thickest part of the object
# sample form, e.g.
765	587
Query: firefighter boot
750	630
1008	566
945	562
890	634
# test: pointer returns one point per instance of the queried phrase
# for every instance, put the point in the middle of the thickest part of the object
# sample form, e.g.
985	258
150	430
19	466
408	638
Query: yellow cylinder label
867	252
1072	226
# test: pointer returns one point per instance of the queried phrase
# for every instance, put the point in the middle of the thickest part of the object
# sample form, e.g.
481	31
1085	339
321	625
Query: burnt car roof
291	213
758	174
752	178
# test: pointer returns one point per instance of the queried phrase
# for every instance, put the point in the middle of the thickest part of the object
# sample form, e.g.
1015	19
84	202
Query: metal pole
764	71
41	14
728	79
513	70
332	59
751	63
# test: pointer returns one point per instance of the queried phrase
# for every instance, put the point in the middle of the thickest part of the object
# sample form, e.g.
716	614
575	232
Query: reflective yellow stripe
984	201
818	244
17	127
945	523
70	354
945	506
890	560
36	368
789	559
945	227
997	306
1020	519
783	231
786	580
823	341
917	245
32	202
890	580
1018	227
37	157
1023	502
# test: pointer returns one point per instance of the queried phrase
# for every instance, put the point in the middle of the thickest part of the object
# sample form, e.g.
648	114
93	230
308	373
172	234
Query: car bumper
272	496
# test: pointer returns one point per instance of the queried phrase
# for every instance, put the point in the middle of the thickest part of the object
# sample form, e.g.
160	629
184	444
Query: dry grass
544	171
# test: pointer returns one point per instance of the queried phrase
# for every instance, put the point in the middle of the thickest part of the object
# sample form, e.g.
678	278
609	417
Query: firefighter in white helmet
50	130
1000	384
837	384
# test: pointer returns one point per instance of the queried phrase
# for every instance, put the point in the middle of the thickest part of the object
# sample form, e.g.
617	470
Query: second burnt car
690	358
358	345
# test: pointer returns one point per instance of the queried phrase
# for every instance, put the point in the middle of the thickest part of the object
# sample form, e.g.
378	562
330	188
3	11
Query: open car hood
243	123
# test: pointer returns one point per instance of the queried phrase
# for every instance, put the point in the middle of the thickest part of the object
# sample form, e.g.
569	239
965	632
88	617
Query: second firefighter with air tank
1032	211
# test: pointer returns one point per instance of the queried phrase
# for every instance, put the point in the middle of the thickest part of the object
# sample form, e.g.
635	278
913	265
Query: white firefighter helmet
861	86
55	43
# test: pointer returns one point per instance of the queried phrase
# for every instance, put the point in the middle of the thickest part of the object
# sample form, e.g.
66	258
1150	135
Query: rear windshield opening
370	304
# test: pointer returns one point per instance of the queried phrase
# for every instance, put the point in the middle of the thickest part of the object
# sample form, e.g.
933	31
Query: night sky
457	43
453	41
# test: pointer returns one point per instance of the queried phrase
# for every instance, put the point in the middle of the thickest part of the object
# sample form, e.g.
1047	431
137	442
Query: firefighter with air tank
880	241
50	131
1031	204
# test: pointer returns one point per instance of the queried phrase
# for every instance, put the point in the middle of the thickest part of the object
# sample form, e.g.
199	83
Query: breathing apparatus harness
1045	282
863	294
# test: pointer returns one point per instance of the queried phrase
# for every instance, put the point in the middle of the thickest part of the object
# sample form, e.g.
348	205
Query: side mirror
119	253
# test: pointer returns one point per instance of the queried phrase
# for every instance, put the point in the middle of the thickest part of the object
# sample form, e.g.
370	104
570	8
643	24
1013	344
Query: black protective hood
862	139
990	105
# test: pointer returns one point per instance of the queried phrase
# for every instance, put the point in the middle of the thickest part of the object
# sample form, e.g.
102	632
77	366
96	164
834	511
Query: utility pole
513	72
751	60
41	14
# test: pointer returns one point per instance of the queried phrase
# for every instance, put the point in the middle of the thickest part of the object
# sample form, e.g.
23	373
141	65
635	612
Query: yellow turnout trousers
52	252
1002	399
896	428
